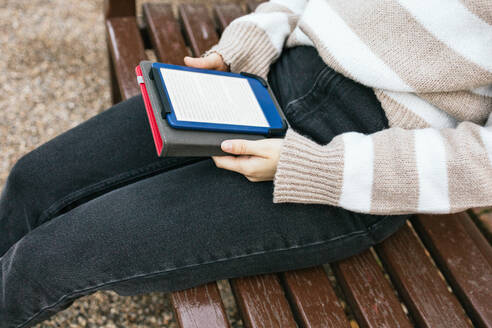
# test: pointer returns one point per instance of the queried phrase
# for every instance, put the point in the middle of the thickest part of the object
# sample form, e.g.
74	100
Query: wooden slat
225	13
262	302
127	50
252	4
198	27
369	293
119	8
477	236
483	219
165	33
418	282
199	307
115	89
313	299
465	257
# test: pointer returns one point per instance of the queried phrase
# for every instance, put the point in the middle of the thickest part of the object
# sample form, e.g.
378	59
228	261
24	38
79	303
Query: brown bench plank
119	8
127	50
225	13
115	89
483	219
262	302
369	293
419	283
313	299
477	236
198	27
165	33
199	307
464	256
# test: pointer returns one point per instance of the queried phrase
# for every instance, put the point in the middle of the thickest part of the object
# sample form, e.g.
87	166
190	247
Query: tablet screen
212	98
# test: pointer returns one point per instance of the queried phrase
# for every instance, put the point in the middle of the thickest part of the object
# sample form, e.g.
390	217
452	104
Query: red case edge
150	114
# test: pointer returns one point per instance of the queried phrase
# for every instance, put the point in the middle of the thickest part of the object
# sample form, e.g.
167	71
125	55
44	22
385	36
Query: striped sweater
430	65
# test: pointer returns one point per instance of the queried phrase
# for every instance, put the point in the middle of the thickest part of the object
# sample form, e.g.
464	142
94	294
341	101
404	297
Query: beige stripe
246	48
482	9
323	51
421	60
398	115
462	105
292	20
469	168
395	186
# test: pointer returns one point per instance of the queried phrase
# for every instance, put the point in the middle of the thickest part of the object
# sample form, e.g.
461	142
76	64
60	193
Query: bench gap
227	296
393	287
441	275
347	308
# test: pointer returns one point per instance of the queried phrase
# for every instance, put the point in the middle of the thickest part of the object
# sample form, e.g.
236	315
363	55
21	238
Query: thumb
236	147
244	147
202	62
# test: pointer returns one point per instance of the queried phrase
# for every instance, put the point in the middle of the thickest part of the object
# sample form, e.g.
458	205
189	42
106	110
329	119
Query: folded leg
174	230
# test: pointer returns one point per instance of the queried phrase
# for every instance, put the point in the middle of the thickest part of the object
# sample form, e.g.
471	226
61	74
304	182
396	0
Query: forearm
390	172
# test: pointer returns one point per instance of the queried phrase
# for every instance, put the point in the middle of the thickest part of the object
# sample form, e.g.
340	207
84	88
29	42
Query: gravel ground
54	76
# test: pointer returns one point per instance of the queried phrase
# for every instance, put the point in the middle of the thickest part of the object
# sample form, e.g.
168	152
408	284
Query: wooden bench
435	272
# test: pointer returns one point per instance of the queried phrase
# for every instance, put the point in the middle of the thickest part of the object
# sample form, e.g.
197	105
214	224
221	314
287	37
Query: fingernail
226	146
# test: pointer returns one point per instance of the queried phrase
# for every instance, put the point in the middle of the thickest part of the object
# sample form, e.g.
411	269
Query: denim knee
28	273
25	189
23	199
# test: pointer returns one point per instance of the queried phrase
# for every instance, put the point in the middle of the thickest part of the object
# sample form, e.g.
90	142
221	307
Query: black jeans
95	208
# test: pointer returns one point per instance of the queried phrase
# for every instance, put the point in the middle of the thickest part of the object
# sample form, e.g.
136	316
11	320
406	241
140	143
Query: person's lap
128	221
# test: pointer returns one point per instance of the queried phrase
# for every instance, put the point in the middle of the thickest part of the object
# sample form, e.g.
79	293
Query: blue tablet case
180	142
260	88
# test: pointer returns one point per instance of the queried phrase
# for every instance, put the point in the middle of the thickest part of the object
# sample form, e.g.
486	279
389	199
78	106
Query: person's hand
257	160
213	61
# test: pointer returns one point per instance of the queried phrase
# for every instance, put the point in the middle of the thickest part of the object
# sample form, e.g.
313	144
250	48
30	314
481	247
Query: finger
217	61
209	62
218	160
253	179
246	147
232	163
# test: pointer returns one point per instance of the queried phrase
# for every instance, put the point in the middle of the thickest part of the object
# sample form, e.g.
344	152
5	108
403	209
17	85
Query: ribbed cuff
246	48
308	172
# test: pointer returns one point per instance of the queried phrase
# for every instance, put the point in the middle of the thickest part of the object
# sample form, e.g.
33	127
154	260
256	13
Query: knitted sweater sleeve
393	171
252	42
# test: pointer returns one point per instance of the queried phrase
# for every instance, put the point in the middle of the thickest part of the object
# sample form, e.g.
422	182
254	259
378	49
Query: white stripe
486	135
436	117
349	50
357	172
432	171
301	38
453	24
483	91
276	25
296	6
